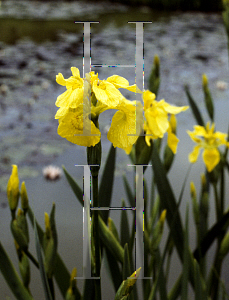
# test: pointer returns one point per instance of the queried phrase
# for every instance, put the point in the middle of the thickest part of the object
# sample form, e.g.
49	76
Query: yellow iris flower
76	115
157	123
209	140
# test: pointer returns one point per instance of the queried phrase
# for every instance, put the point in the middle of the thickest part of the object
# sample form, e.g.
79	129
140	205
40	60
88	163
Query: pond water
39	41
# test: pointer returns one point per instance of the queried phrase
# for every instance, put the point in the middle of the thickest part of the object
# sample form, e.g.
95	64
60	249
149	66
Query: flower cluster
86	98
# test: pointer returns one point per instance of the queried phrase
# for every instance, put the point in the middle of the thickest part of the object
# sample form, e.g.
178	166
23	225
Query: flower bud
173	123
192	189
24	197
13	189
203	182
208	97
71	292
154	80
19	229
50	242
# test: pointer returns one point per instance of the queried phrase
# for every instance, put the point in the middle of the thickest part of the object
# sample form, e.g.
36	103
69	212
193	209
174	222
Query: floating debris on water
221	85
52	173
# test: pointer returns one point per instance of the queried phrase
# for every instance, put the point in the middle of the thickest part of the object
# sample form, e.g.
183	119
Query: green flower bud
19	229
24	197
192	189
50	243
208	97
70	294
154	80
13	189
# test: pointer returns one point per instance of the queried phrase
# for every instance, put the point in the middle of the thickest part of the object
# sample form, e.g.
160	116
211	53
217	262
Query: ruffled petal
106	93
78	130
124	130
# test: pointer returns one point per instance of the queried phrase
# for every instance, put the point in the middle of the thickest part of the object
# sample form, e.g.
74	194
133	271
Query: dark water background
37	41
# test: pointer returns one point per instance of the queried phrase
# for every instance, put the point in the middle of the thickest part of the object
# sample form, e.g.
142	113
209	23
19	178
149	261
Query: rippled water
38	42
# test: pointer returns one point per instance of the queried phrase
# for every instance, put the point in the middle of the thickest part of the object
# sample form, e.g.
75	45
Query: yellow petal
75	72
106	93
60	79
148	99
77	129
157	120
211	158
199	130
171	108
194	155
118	81
124	130
172	141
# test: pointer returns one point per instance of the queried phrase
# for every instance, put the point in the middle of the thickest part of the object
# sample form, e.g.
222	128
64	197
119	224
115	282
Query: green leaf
115	273
44	279
168	202
199	292
126	264
106	184
194	107
75	188
12	278
213	233
110	242
112	228
127	286
130	196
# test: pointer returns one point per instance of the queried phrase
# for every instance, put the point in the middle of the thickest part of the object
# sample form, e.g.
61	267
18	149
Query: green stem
96	236
217	203
30	256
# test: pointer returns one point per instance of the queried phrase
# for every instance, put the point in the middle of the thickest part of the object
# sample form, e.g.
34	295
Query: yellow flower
209	140
78	116
157	123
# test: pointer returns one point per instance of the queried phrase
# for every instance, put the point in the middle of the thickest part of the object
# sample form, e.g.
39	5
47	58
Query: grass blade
194	107
75	188
168	202
44	279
